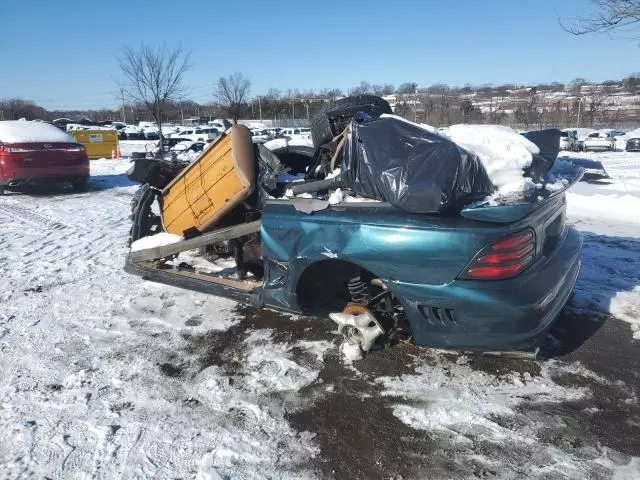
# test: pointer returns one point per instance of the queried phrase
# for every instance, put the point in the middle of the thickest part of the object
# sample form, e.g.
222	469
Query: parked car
260	135
569	139
582	135
169	143
198	134
188	146
633	144
295	132
599	140
40	152
151	134
481	277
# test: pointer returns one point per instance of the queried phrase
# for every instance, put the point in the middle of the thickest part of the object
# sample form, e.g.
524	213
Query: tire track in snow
30	216
83	243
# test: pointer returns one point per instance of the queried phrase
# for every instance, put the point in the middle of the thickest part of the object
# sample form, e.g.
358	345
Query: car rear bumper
19	175
513	314
599	146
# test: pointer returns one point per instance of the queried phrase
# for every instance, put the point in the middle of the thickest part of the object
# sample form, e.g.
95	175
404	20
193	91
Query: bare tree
595	102
16	108
153	76
331	93
362	89
407	87
233	93
383	89
608	15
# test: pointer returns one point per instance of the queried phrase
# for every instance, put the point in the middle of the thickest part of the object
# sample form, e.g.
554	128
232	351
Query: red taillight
505	258
514	241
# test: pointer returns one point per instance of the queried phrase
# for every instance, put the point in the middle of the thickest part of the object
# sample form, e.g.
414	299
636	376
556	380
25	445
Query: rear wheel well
322	287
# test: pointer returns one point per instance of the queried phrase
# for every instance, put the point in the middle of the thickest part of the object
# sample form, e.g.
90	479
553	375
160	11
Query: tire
145	222
297	157
80	184
332	119
1	190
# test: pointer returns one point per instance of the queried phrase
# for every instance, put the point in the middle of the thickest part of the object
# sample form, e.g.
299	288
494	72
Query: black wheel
297	157
145	222
80	184
333	118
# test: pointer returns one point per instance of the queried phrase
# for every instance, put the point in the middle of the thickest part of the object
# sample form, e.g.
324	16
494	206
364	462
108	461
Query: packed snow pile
504	153
161	239
23	131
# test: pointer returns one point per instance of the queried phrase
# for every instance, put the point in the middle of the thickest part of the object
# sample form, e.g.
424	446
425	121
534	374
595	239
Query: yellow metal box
212	185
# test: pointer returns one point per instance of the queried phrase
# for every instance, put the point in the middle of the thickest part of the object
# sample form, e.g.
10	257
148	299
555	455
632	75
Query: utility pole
181	112
579	108
260	108
124	117
307	105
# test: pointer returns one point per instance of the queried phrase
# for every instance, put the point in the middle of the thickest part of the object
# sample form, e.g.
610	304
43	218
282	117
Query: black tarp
548	141
411	168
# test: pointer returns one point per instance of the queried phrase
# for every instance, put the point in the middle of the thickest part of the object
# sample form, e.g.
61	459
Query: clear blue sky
62	54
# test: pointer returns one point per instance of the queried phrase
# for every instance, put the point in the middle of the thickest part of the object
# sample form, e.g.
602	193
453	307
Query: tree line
152	88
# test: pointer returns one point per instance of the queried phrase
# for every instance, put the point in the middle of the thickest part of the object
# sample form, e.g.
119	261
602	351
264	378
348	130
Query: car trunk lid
42	154
543	210
513	208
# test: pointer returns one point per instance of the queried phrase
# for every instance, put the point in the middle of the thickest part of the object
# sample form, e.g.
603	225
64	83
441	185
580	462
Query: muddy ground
361	438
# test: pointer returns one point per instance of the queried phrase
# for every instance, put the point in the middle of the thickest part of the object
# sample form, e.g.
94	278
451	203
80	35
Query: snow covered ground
104	375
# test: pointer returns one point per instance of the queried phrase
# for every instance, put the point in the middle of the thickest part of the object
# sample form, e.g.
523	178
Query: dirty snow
465	407
471	407
89	384
24	131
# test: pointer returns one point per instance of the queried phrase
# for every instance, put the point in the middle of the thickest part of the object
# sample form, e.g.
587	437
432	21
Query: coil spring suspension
359	291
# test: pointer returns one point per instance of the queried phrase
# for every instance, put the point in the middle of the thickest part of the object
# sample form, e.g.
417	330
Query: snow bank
22	131
159	240
623	208
503	152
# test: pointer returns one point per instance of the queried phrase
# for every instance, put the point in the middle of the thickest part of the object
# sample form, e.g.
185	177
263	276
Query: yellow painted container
99	143
212	185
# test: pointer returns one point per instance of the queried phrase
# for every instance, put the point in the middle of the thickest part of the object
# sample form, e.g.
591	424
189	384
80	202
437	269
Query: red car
39	152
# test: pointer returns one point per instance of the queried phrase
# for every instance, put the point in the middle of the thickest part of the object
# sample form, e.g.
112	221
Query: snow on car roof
24	131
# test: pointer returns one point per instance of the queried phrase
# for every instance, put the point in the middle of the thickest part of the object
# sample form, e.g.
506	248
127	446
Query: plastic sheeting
548	141
411	168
